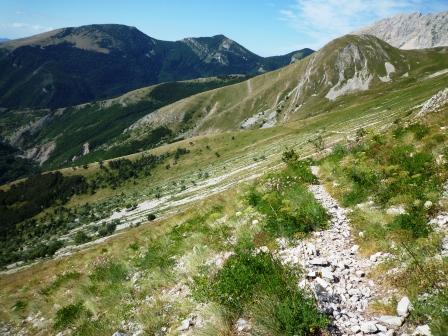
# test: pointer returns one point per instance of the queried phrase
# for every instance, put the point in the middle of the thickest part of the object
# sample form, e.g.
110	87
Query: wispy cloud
322	20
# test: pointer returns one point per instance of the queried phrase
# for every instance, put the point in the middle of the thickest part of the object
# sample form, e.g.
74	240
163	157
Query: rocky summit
411	31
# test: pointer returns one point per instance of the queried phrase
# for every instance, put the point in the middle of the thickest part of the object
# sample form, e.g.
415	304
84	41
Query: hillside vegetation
81	134
223	225
298	91
74	65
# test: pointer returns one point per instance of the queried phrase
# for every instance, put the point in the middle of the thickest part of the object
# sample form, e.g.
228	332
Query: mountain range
306	200
146	117
70	66
60	132
411	31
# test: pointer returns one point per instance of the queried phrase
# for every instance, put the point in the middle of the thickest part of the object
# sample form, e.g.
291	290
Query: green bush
298	168
81	237
290	210
356	195
419	130
247	280
415	222
68	315
338	152
107	229
253	197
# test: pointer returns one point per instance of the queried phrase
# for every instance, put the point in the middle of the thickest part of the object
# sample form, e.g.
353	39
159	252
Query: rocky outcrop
411	31
435	103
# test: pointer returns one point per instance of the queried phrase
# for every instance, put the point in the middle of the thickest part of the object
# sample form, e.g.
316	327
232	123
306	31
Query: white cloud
323	20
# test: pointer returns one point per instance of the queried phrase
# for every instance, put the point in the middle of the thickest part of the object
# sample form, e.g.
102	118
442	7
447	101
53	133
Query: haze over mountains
411	31
74	65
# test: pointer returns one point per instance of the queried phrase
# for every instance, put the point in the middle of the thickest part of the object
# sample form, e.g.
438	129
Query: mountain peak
102	60
411	31
96	37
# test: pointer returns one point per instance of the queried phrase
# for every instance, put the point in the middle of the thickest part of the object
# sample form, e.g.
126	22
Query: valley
306	198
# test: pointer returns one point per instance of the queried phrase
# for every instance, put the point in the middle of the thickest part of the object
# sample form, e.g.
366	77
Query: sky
266	27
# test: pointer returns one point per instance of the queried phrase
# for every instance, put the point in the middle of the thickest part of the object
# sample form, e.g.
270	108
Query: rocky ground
336	274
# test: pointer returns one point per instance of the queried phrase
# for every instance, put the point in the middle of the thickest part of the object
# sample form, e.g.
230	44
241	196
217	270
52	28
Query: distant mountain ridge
70	66
2	39
411	31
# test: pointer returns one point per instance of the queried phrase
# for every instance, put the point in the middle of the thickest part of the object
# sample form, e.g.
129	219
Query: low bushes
414	222
261	287
68	315
289	207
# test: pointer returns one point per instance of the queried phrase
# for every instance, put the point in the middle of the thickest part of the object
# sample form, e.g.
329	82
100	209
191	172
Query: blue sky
266	27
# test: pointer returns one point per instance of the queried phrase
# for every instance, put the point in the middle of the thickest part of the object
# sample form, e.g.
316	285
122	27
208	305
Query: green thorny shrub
288	205
261	287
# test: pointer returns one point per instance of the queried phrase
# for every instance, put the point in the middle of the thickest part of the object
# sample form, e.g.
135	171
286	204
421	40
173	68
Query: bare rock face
411	31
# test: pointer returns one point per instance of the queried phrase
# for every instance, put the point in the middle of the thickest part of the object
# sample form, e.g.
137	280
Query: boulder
369	327
423	330
390	321
403	306
354	249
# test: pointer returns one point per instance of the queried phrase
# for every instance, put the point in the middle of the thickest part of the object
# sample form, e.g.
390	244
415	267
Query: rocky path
337	274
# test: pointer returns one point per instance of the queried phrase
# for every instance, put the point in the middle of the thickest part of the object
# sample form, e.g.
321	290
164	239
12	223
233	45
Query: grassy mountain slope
74	65
196	225
305	88
57	137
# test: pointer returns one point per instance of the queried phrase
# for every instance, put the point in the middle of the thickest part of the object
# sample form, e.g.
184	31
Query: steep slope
74	65
411	31
69	134
198	226
305	88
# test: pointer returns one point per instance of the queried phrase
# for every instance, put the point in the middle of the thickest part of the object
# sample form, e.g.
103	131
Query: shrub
253	197
356	195
44	250
293	211
415	222
68	315
20	306
107	229
248	280
298	168
419	130
151	217
338	152
81	237
179	152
